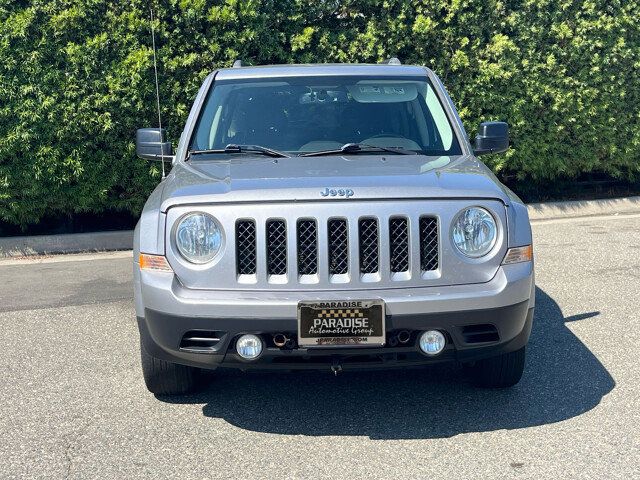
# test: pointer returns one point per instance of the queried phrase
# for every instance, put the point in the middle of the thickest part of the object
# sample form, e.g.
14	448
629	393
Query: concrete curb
583	208
123	240
70	243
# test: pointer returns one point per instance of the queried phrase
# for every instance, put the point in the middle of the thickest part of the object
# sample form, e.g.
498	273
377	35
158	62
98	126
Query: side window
214	127
453	107
439	118
204	137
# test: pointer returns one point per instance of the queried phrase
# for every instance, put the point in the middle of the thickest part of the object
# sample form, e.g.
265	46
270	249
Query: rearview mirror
493	137
151	144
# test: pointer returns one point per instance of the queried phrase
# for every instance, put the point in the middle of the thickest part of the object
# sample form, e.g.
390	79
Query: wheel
499	372
166	378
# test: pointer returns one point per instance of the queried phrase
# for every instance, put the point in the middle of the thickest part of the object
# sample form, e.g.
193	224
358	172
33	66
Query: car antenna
155	71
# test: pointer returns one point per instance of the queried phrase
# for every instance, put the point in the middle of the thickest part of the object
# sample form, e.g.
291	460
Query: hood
360	177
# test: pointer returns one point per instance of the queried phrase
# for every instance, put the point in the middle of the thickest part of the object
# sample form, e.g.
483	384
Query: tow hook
336	368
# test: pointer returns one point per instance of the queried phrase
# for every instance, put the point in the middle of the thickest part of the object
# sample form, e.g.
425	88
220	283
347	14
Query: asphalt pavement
73	403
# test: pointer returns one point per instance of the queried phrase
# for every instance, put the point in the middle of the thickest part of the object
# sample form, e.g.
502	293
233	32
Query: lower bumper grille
480	333
201	341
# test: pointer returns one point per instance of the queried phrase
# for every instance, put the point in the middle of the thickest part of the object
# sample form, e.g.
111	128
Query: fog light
249	346
432	342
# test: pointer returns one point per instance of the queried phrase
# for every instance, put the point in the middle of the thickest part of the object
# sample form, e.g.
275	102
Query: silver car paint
247	181
163	292
454	268
303	178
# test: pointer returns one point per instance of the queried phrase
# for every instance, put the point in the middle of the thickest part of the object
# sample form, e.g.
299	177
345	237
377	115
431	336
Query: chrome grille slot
368	237
399	244
307	247
338	247
276	247
428	244
246	247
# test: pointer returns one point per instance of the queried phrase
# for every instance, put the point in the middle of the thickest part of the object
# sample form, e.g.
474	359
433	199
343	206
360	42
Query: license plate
352	322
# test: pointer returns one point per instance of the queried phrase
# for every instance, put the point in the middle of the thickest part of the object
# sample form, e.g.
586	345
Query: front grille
307	247
368	233
338	247
428	244
399	244
246	247
276	247
327	248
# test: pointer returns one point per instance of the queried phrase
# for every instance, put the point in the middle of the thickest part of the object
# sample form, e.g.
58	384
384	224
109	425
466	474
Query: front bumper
167	311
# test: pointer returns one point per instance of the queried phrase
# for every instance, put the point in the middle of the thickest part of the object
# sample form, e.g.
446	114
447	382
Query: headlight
474	232
198	237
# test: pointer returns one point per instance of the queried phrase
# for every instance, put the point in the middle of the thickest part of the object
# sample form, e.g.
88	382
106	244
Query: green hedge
76	80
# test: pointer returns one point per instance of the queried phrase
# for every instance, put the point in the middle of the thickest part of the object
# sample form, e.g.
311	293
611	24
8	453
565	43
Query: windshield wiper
233	148
359	148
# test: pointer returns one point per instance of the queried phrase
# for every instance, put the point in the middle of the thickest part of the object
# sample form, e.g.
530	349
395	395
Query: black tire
499	372
166	378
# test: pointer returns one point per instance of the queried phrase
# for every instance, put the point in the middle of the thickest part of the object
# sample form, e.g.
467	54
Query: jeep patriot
330	217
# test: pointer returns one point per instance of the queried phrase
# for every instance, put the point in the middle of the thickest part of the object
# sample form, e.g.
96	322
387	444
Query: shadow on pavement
562	379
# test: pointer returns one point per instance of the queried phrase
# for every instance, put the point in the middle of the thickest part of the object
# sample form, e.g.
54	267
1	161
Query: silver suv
330	217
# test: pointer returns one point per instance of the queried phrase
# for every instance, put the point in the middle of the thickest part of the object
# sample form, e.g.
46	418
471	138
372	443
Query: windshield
309	114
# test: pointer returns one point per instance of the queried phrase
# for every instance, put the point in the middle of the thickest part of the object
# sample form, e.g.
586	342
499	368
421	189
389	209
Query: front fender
149	233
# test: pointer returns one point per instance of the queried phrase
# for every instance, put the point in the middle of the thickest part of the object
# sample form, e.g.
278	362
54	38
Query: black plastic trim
161	334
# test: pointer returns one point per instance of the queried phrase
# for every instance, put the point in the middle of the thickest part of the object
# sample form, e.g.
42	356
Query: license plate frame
341	323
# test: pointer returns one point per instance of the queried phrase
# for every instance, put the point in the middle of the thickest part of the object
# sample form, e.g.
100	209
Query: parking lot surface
73	403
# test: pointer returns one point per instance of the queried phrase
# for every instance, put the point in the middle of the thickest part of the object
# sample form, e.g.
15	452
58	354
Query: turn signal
154	262
518	254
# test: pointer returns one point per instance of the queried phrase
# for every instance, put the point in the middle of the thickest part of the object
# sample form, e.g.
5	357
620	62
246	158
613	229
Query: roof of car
319	69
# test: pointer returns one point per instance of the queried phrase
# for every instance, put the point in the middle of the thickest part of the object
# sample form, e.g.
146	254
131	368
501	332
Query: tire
166	378
499	372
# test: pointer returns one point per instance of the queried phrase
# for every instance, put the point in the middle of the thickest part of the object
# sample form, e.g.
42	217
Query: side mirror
493	137
151	144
